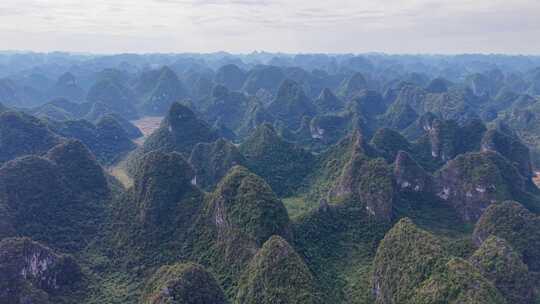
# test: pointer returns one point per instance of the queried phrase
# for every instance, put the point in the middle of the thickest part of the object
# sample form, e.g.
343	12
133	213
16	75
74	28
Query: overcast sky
241	26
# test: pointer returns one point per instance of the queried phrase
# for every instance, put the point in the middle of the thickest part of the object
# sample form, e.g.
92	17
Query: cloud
276	25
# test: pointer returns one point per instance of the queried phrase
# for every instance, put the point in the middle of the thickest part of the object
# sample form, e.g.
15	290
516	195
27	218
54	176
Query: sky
293	26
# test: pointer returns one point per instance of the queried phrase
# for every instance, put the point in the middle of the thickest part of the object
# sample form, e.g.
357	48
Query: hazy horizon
243	26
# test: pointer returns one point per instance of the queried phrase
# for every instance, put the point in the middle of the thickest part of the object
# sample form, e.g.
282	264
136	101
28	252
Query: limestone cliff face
473	181
368	180
238	217
409	175
31	272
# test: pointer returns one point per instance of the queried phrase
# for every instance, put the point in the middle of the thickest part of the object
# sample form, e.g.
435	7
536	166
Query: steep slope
473	181
405	258
180	131
238	217
458	282
33	273
263	77
160	93
67	86
351	86
515	224
182	283
509	146
502	265
282	164
277	274
83	175
40	196
291	105
212	161
107	139
115	96
226	107
327	102
22	134
230	76
155	214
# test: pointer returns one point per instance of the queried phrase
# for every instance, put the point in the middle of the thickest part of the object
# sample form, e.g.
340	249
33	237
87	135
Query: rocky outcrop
182	283
510	147
406	257
277	274
502	265
365	179
515	224
226	107
238	217
291	105
160	92
33	273
329	129
409	175
389	142
211	162
180	131
255	115
473	181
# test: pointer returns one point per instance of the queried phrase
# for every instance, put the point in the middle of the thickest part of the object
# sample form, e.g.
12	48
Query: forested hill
269	178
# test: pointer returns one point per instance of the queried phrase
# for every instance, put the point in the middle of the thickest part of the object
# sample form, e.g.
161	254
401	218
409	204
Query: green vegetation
515	224
33	272
41	204
457	282
22	134
277	274
182	283
272	178
212	161
406	257
499	263
390	142
282	164
238	217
